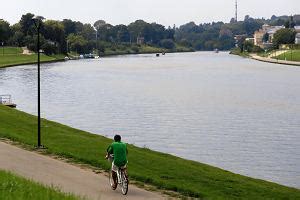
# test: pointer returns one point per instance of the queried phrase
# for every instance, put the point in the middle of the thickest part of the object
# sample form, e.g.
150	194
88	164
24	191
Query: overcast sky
166	12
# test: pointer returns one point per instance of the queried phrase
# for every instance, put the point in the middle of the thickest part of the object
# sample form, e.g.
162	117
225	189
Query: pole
39	88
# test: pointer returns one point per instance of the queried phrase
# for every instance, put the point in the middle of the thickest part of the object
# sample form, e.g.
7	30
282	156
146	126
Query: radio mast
236	11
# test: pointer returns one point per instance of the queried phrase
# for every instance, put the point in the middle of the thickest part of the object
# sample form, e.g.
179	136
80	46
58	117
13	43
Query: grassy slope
290	55
8	60
162	170
13	187
14	56
143	49
10	50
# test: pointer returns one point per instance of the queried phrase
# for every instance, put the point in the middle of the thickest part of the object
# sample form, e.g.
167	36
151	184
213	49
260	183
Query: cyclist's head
117	138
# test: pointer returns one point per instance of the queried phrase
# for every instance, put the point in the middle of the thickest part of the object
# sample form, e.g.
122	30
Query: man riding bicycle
119	151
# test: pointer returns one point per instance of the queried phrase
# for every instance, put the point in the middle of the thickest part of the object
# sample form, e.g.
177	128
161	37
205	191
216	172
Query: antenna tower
236	11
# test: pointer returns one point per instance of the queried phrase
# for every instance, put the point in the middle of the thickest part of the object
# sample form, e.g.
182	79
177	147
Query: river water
234	113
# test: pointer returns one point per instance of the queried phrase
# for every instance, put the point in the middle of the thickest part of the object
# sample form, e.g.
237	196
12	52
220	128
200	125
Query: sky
166	12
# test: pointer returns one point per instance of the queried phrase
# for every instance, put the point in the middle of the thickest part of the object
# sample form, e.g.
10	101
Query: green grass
290	55
10	50
237	51
17	59
13	187
140	49
161	170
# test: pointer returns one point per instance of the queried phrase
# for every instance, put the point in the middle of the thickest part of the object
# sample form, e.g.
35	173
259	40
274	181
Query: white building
258	35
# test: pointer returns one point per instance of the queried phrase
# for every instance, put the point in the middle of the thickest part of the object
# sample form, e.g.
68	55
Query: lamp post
37	22
2	48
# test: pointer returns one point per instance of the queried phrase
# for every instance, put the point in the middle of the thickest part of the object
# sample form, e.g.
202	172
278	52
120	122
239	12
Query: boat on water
6	100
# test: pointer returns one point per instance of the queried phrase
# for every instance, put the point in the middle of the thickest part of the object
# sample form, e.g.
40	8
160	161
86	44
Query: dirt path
67	177
26	51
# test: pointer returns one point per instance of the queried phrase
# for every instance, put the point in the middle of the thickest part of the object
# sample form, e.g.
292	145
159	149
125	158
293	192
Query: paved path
277	53
67	177
272	60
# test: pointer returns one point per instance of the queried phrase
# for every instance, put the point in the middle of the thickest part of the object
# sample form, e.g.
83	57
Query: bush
167	43
49	48
135	49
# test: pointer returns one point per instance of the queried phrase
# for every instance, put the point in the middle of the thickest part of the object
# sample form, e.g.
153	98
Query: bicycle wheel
124	183
111	180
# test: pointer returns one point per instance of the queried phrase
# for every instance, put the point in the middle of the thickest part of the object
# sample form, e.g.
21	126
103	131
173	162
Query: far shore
60	59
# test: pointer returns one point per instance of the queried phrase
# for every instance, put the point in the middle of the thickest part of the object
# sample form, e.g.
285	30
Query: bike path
69	178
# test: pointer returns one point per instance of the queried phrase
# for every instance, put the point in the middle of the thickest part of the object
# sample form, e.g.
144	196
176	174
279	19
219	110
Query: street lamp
2	48
38	22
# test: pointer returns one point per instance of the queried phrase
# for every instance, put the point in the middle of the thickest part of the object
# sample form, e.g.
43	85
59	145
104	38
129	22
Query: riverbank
141	49
21	59
163	171
280	57
273	60
14	57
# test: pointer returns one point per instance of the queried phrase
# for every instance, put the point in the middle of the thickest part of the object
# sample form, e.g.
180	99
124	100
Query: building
140	40
250	40
259	35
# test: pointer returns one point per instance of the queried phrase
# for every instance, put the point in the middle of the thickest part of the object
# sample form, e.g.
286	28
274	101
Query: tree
77	43
69	26
55	32
167	43
121	34
88	32
5	31
100	23
284	36
27	24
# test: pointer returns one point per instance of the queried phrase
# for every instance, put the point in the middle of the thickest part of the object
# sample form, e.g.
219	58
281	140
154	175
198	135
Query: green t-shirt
119	149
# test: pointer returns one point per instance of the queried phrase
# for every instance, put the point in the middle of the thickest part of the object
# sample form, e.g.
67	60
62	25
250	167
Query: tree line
68	35
220	35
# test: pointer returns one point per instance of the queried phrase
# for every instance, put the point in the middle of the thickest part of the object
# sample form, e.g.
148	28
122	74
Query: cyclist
119	151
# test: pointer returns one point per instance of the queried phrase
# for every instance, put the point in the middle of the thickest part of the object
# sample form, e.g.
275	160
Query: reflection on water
234	113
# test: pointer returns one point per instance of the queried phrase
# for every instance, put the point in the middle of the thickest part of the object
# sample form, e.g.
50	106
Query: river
234	113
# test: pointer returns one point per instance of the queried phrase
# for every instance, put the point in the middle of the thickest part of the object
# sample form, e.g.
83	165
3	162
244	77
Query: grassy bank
11	56
140	49
14	187
237	51
20	59
158	169
290	56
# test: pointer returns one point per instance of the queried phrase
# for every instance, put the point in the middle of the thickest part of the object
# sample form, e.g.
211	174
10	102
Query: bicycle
122	178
